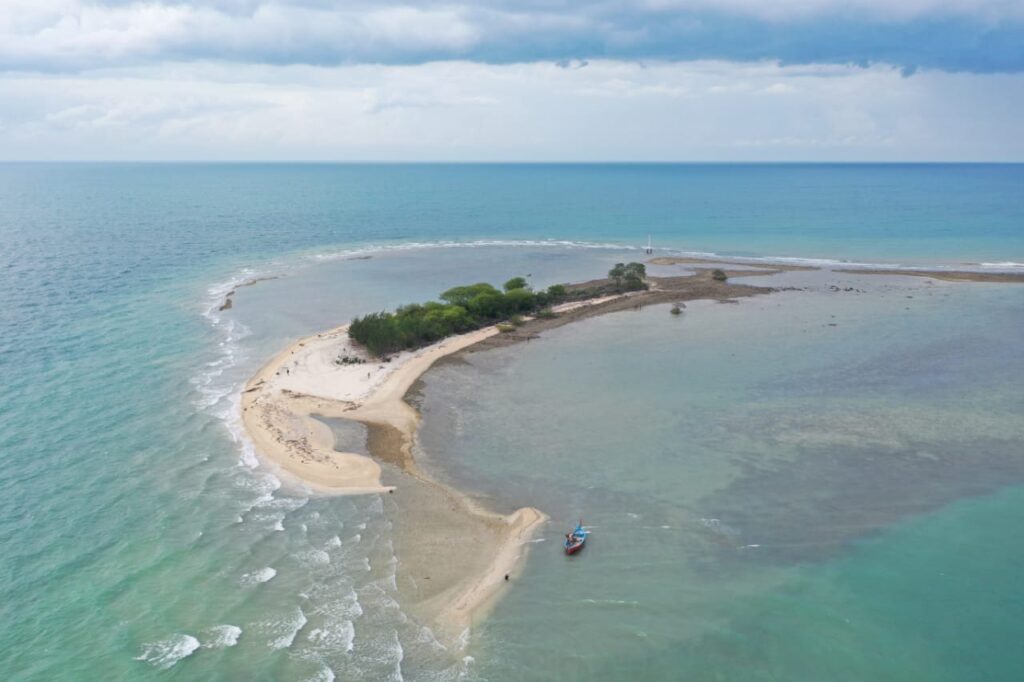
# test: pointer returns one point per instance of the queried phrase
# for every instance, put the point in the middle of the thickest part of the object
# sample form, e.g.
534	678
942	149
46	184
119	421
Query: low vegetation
465	308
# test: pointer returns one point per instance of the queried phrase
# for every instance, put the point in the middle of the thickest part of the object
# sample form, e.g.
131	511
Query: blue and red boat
575	540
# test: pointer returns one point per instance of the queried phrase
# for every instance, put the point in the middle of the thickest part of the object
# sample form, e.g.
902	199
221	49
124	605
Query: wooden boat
574	540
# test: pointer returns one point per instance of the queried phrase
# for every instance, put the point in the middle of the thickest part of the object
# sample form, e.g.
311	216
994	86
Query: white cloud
539	111
886	10
70	33
85	34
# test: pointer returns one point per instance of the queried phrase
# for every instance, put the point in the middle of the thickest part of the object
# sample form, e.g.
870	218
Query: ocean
771	496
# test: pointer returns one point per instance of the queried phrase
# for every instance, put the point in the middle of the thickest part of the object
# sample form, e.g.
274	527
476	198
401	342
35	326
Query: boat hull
575	540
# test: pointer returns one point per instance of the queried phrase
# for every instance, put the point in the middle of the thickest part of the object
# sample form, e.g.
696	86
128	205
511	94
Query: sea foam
166	652
221	636
259	576
286	629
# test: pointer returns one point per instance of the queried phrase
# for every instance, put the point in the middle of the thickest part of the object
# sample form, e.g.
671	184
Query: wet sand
755	268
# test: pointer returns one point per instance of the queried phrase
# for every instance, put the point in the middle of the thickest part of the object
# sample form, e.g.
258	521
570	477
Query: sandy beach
280	406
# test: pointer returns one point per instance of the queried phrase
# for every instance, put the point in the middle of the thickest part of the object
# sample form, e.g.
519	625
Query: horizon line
436	162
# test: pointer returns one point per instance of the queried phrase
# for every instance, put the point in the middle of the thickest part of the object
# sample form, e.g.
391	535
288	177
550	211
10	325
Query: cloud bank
512	80
466	111
982	36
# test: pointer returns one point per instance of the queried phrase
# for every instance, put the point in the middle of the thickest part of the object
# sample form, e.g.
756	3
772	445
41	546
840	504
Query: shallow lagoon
765	489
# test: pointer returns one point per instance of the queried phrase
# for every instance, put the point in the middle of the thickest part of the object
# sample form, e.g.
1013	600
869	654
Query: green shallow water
770	497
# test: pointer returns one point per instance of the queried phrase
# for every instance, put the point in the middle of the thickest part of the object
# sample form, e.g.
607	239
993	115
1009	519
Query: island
362	371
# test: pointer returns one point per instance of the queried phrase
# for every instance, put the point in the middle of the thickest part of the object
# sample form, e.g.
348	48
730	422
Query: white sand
280	401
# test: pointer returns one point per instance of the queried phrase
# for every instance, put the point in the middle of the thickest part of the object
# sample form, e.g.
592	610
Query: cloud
79	35
461	110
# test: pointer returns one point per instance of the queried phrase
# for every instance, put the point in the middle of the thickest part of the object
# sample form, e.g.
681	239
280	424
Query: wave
611	602
221	636
334	636
166	652
370	250
259	576
364	251
1009	265
325	674
831	263
288	629
313	557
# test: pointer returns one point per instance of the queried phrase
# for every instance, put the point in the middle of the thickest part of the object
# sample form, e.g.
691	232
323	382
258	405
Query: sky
504	80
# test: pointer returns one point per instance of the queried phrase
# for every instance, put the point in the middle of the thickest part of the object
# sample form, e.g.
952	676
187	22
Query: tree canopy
472	306
463	309
515	283
628	276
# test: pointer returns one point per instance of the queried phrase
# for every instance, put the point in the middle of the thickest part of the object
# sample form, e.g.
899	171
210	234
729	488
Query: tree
463	295
637	270
515	283
629	277
520	300
488	305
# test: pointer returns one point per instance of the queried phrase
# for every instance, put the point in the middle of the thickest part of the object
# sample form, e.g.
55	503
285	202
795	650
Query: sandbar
467	553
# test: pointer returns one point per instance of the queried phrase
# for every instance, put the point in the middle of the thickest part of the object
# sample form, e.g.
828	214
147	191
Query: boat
574	540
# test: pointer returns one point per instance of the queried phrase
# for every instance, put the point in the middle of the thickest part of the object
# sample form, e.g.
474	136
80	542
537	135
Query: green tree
515	283
629	277
636	270
464	294
520	300
487	305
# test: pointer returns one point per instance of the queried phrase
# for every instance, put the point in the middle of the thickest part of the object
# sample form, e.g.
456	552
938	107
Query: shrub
718	275
515	283
506	328
556	291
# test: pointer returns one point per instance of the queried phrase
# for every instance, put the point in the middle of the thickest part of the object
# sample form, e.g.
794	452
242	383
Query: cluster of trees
628	276
463	309
473	306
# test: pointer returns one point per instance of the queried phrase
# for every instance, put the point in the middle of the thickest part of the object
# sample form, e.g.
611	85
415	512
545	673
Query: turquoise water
141	540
